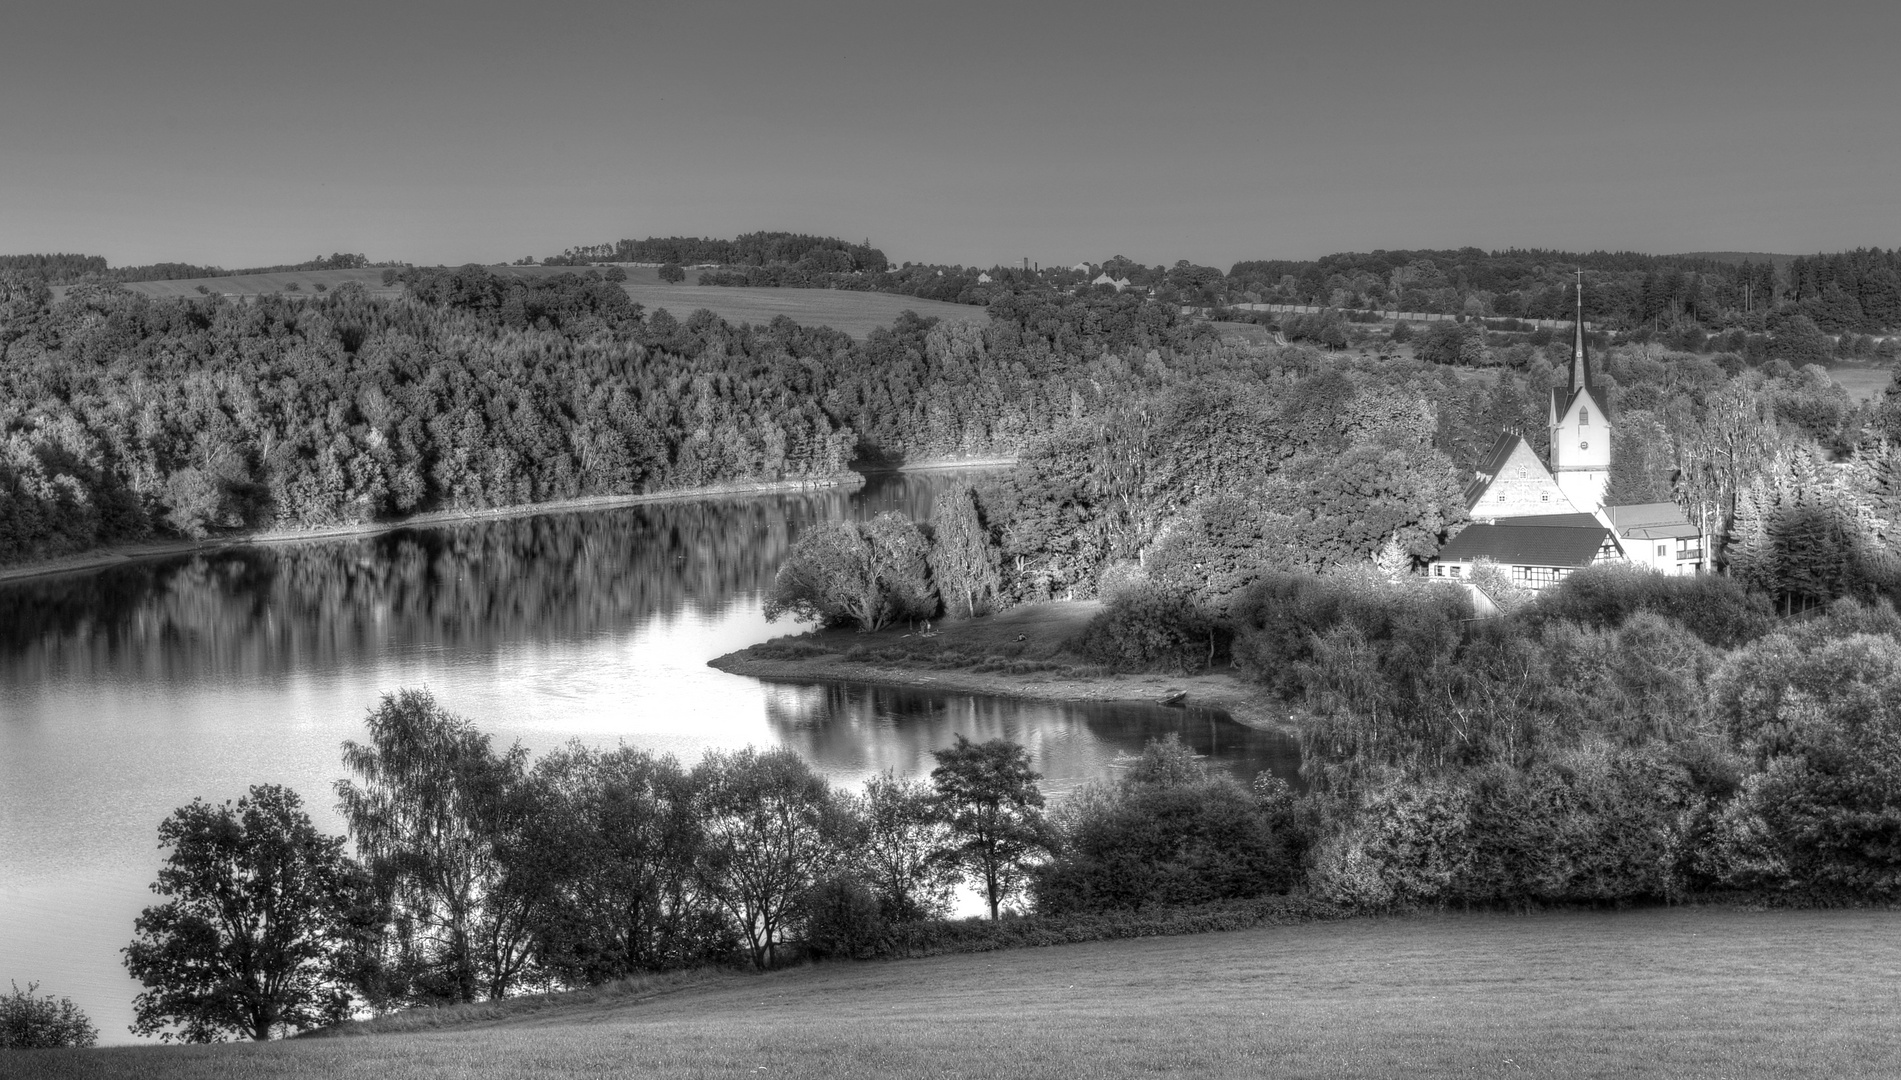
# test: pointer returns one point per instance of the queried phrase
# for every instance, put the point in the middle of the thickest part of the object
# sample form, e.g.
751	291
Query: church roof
1580	381
1494	460
1527	545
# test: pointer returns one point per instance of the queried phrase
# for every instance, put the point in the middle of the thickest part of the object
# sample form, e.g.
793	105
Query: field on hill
1862	383
855	313
1686	993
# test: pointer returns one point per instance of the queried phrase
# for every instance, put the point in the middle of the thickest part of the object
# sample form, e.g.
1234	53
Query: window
1546	497
1438	571
1662	549
1501	496
1455	571
1584	418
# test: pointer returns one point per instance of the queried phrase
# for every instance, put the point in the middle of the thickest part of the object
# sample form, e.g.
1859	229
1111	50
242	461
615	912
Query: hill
855	313
1780	262
1663	993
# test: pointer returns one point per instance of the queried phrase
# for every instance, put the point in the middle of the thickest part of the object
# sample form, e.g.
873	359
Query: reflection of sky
90	763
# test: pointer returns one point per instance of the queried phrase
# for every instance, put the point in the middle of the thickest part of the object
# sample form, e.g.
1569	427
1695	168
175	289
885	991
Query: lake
126	692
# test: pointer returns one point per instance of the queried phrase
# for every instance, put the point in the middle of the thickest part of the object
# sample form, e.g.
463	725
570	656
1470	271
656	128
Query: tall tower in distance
1580	428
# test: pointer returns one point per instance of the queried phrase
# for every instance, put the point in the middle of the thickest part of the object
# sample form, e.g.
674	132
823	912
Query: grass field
855	313
1699	993
1862	383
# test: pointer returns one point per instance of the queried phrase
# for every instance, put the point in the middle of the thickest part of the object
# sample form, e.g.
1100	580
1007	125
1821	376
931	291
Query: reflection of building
1539	522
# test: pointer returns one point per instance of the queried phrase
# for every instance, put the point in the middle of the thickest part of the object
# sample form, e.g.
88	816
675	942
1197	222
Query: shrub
672	274
1146	627
1716	609
842	920
28	1022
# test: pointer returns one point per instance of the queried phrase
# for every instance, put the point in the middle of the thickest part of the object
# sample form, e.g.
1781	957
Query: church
1541	521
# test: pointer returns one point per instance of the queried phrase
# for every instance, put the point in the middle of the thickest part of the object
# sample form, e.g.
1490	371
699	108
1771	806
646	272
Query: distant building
1536	551
1659	536
983	279
1540	522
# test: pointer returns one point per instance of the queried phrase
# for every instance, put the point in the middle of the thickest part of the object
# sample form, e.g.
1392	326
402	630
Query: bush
28	1022
1167	835
842	921
672	274
1713	608
1146	627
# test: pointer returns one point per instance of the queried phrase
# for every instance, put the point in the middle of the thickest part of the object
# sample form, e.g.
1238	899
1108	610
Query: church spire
1580	356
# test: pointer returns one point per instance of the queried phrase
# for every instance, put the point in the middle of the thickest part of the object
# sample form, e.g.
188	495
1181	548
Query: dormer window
1584	417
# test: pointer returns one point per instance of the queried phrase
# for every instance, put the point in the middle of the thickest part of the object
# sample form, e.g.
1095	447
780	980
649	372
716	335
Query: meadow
855	313
1862	383
1681	993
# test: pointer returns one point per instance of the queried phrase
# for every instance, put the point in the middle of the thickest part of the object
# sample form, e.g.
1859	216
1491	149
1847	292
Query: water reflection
852	731
129	691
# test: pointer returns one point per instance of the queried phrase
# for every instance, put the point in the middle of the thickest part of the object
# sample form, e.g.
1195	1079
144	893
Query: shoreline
938	465
1218	690
118	554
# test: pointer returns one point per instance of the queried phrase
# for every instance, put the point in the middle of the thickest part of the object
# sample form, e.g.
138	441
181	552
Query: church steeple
1580	426
1580	350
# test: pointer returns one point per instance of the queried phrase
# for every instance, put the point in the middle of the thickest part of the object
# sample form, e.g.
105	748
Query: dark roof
1527	545
1574	521
1651	521
1488	466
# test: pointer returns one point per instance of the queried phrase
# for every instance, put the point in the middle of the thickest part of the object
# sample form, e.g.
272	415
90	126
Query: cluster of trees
124	417
819	253
63	269
1625	737
477	873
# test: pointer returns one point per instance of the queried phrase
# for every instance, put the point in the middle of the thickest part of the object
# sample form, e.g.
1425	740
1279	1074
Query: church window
1584	418
1545	497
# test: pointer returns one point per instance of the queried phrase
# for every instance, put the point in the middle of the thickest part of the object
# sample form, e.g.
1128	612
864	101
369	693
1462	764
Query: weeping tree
439	816
864	573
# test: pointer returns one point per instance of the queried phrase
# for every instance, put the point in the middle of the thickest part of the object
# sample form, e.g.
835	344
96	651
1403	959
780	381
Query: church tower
1581	428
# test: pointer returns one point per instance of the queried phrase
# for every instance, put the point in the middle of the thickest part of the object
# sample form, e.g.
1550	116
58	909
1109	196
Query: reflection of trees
468	586
852	728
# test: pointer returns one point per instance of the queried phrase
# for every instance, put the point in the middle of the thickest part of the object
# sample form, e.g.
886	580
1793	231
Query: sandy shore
122	553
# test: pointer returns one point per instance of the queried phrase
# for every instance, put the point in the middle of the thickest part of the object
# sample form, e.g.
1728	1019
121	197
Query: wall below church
1584	488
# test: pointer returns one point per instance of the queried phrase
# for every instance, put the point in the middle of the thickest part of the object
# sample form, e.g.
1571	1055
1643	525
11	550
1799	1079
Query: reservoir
127	692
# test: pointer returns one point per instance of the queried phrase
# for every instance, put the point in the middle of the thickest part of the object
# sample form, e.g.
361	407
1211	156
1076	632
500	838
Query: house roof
1527	545
1572	521
1651	521
1488	466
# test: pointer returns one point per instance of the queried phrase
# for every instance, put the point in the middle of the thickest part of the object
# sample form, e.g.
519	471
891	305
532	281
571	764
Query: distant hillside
1780	262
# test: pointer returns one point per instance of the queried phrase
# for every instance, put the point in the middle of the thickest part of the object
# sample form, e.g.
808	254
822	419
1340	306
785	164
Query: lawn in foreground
1683	993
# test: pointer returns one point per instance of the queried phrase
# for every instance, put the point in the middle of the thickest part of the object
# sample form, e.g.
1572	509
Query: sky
970	132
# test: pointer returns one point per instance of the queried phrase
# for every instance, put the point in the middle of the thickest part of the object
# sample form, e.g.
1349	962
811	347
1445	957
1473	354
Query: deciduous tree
263	912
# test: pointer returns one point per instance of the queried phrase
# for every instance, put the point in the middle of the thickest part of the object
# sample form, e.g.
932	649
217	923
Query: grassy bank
1699	993
119	553
1019	653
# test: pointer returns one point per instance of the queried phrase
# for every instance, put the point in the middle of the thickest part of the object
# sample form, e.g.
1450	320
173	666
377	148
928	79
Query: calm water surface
127	692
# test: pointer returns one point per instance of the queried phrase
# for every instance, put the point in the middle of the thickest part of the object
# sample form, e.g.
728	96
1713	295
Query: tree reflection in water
851	731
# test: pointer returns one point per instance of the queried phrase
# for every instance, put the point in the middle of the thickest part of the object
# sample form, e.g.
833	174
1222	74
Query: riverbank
116	554
1019	653
940	465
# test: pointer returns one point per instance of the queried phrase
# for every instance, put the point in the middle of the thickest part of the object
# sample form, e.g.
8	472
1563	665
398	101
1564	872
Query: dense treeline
76	269
124	417
815	253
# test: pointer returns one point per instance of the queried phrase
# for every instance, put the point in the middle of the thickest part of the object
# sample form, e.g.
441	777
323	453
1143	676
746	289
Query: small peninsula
1021	652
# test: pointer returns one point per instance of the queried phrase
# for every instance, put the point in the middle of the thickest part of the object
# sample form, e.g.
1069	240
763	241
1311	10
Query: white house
1541	522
